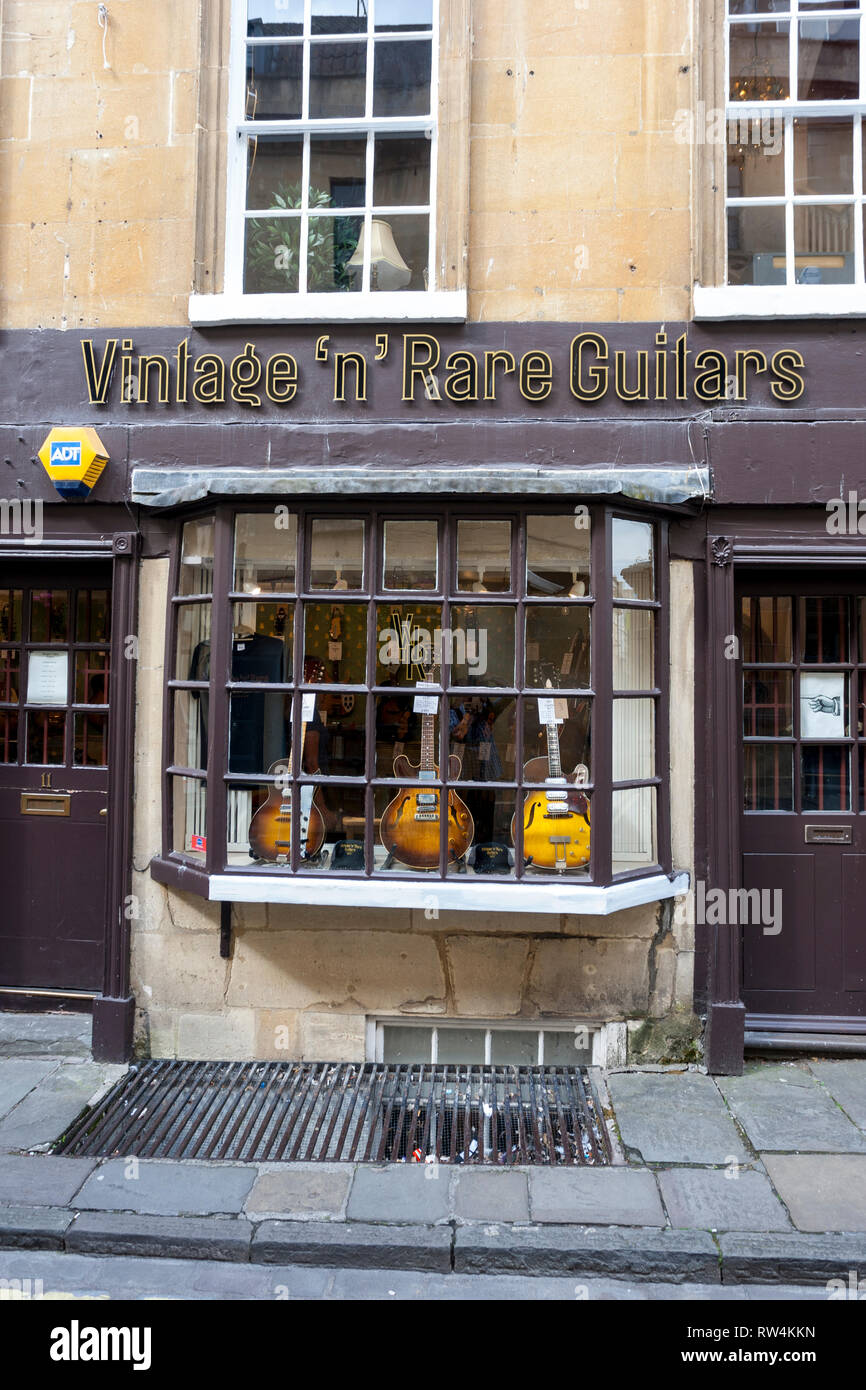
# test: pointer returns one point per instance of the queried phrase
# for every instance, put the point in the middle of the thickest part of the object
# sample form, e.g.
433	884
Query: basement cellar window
475	1044
337	677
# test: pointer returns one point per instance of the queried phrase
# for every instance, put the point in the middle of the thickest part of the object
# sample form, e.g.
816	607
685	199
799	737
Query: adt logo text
66	453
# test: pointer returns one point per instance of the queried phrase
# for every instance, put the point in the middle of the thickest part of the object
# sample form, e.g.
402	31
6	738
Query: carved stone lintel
723	551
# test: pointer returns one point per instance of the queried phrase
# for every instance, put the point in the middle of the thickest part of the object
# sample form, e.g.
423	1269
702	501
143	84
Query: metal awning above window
665	484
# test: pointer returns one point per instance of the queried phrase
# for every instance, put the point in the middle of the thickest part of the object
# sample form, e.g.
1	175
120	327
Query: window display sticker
822	705
547	710
47	678
308	707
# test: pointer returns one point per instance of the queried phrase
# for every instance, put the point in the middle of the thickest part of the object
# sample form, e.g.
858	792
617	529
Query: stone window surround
213	881
215	301
713	298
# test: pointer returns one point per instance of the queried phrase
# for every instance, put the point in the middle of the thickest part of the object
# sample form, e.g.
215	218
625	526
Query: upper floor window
333	161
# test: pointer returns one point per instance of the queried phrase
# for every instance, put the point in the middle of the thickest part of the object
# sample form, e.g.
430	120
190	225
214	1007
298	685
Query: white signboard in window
47	677
822	705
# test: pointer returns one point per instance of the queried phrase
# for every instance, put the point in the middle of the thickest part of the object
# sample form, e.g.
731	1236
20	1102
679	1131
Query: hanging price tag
308	707
561	710
547	711
335	651
426	704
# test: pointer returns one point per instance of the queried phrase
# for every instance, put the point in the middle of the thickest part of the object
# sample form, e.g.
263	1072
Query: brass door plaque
44	804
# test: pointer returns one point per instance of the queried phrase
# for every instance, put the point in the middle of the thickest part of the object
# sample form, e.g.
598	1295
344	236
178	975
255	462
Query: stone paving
719	1181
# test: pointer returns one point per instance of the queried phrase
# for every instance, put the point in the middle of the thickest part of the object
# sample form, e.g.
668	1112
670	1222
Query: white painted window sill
558	897
442	306
779	301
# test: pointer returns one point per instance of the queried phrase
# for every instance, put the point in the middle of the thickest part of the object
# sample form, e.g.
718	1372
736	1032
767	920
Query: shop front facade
428	640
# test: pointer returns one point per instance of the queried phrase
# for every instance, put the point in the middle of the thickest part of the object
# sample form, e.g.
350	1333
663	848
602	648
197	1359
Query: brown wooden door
803	771
54	693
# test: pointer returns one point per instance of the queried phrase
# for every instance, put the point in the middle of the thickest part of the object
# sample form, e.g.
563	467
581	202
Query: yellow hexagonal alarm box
74	458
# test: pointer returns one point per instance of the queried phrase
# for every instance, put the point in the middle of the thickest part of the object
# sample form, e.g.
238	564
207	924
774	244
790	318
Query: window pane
10	671
332	244
274	82
398	734
483	556
759	61
274	171
93	623
335	819
266	547
825	778
767	704
46	734
482	644
395	15
91	678
556	832
767	629
486	841
824	705
573	739
557	555
823	157
190	729
406	633
756	158
189	819
561	1050
271	255
262	643
514	1047
90	745
406	1044
633	576
829	60
756	246
634	829
633	740
49	615
196	558
408	827
337	80
633	649
10	615
824	630
275	17
401	79
338	172
338	17
8	736
411	555
192	647
336	735
768	771
824	244
399	258
336	637
401	171
482	737
337	554
461	1045
557	646
259	724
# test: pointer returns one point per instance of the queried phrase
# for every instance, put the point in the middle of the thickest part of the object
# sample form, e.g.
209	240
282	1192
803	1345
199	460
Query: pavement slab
121	1277
485	1195
782	1108
416	1193
171	1237
793	1258
43	1179
163	1188
630	1252
595	1196
58	1098
18	1076
726	1199
33	1228
352	1244
674	1117
317	1191
38	1035
846	1082
823	1192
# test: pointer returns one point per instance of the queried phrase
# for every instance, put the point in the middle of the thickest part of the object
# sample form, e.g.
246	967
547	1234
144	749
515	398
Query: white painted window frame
375	1033
791	299
233	304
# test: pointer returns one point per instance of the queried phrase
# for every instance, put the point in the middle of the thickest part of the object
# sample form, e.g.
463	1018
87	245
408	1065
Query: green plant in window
273	246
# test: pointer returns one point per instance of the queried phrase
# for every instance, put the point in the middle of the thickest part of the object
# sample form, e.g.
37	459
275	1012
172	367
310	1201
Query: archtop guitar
556	829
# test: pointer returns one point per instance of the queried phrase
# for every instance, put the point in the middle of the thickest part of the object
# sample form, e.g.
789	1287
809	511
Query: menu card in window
47	678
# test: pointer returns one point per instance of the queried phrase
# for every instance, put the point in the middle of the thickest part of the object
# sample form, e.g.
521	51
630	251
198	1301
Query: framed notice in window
822	706
47	678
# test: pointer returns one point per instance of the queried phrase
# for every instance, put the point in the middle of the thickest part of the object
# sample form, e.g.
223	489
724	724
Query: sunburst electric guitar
271	826
410	825
556	817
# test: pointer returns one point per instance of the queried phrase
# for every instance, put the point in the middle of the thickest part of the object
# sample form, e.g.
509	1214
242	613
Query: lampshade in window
387	268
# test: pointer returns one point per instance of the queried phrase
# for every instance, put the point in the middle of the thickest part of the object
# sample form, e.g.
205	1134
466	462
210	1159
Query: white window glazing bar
434	1044
794	51
859	270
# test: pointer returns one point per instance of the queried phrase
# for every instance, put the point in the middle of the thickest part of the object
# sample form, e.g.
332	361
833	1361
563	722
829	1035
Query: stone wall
302	981
579	193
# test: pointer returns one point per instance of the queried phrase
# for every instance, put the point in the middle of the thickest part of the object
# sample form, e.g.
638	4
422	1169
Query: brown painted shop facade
482	693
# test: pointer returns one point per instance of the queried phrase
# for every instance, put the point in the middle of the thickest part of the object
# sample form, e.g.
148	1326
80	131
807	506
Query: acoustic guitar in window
410	825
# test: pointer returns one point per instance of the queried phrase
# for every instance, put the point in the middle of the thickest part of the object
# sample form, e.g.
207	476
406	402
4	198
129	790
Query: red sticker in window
198	842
